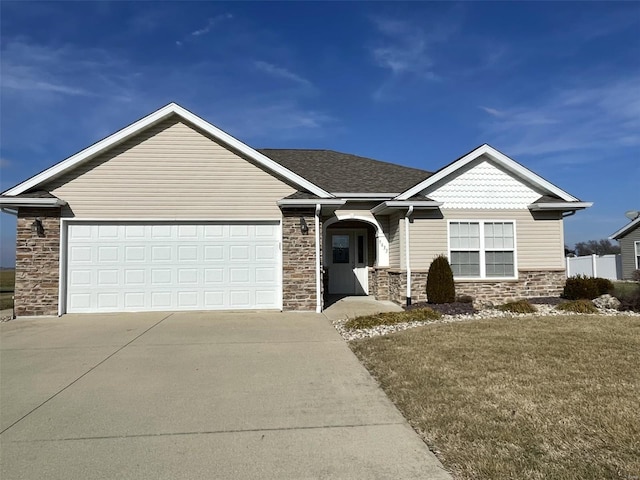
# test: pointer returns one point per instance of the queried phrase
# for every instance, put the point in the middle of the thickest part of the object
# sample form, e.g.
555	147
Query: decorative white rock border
543	310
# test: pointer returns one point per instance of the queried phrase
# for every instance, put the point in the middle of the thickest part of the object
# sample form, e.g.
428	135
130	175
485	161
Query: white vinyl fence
605	266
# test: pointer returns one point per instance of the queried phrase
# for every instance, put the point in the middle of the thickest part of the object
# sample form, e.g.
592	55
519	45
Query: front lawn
7	282
535	398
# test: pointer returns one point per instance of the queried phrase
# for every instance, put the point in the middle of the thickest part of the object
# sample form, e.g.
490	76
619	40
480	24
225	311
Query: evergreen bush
440	286
604	285
580	287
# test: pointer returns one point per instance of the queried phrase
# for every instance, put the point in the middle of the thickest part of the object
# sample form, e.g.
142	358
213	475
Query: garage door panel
188	253
144	266
134	300
266	252
213	253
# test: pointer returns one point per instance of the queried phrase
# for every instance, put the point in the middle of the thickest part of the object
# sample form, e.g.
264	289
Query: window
340	244
637	244
482	249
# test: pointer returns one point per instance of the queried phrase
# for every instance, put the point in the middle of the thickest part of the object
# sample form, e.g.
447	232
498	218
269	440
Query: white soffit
151	119
502	160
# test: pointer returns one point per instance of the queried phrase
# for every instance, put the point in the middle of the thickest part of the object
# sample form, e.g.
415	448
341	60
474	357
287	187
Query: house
629	239
171	213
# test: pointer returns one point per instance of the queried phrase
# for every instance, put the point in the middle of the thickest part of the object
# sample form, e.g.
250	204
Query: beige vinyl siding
628	253
170	170
539	239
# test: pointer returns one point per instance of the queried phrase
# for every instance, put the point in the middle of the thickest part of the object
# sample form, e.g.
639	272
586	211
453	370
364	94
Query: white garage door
167	266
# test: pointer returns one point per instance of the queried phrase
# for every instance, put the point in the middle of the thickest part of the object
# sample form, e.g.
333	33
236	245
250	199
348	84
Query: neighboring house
171	213
629	239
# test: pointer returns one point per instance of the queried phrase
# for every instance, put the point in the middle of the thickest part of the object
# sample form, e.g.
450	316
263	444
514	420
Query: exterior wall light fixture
304	228
37	227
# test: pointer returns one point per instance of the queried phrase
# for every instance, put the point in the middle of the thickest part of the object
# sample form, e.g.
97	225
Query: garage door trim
67	222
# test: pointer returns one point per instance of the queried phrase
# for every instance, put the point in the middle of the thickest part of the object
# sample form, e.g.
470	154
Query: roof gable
483	184
148	121
628	228
340	173
499	159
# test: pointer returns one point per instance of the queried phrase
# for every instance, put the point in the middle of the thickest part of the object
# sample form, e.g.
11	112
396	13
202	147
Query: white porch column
382	249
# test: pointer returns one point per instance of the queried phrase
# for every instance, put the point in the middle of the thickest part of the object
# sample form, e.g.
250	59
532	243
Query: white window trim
636	245
482	249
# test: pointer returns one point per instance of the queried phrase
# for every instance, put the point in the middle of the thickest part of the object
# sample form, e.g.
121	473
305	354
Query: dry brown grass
541	398
7	281
392	318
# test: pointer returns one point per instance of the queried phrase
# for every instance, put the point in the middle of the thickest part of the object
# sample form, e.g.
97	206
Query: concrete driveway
196	395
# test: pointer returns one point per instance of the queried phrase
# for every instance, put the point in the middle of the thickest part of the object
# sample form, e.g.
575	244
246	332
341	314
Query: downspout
318	252
407	256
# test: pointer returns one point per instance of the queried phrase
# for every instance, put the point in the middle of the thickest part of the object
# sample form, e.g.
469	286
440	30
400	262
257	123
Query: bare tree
598	247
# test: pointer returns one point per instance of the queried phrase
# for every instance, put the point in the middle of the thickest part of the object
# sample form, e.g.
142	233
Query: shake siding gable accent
482	184
538	236
171	170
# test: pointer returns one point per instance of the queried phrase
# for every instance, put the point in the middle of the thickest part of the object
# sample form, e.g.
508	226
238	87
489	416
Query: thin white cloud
285	119
407	49
211	23
29	69
280	72
404	48
493	111
602	115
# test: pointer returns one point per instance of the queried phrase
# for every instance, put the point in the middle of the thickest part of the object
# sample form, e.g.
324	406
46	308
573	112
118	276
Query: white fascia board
364	195
624	230
31	202
399	204
560	206
152	119
501	159
289	202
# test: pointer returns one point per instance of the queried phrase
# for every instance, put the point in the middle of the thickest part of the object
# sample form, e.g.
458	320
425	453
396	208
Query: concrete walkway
350	307
196	395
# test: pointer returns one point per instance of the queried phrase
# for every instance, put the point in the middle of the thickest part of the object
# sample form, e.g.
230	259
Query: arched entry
351	247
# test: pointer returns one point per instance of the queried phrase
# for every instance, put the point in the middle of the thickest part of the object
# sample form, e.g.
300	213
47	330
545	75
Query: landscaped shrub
630	300
519	306
464	299
440	286
578	306
392	318
636	275
604	285
579	287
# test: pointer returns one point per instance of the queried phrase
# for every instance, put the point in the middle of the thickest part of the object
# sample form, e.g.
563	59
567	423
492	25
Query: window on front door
340	247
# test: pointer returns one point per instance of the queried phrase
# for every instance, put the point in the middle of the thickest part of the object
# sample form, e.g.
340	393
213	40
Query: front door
347	262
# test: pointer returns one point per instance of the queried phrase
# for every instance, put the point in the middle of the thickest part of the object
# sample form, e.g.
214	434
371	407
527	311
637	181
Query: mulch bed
466	308
456	308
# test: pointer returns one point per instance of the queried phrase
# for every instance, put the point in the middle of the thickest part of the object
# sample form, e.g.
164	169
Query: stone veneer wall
531	283
379	283
299	260
37	263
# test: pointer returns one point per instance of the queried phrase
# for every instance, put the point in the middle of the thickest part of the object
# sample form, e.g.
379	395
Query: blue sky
556	86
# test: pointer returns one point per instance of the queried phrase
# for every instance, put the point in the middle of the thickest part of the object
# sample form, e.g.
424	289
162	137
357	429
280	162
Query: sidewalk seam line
84	374
207	432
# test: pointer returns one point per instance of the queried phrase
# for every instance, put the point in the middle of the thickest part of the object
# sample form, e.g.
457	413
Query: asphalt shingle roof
342	172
